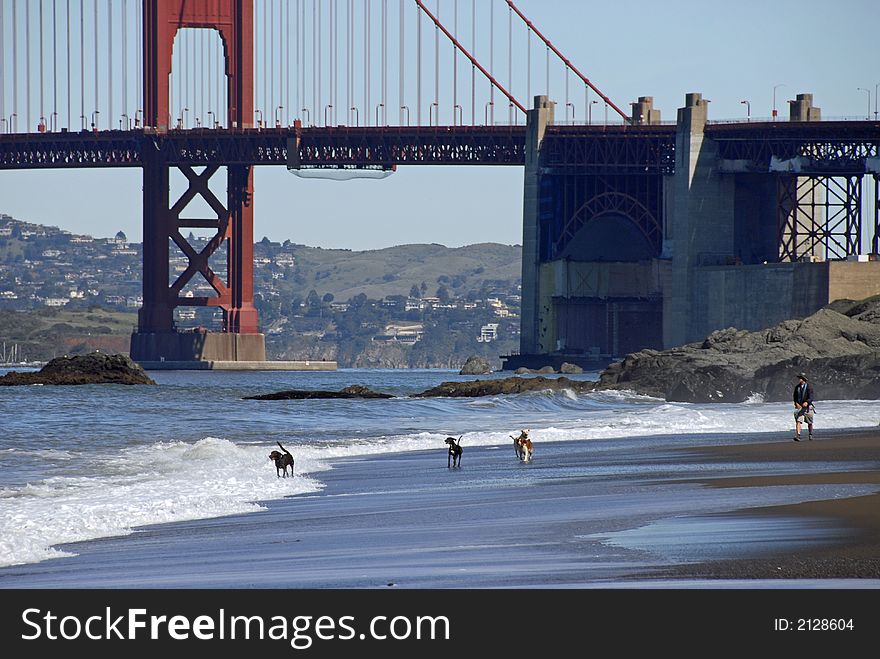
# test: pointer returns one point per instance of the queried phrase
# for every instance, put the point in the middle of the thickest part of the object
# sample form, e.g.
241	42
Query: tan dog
523	446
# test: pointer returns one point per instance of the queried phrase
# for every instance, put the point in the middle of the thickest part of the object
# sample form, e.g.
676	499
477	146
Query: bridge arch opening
198	83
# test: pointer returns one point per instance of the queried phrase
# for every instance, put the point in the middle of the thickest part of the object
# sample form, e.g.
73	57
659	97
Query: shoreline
858	557
554	523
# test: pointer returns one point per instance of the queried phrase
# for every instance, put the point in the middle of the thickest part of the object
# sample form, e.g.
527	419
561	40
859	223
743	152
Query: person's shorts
805	416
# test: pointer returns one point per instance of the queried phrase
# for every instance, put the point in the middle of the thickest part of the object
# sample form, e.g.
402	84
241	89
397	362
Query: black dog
282	461
453	458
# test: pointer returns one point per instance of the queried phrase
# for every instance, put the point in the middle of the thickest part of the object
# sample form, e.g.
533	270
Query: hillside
395	270
48	333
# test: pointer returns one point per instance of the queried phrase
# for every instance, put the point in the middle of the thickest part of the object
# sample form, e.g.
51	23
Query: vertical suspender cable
177	71
125	63
97	105
205	94
271	36
529	66
67	40
436	68
366	62
418	68
286	73
212	106
492	62
334	59
454	61
400	27
2	72
54	61
320	64
313	120
548	71
510	116
27	65
265	65
384	60
110	118
82	65
42	108
193	105
473	66
14	67
138	63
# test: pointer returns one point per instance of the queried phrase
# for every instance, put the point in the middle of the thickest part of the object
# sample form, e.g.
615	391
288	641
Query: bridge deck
595	145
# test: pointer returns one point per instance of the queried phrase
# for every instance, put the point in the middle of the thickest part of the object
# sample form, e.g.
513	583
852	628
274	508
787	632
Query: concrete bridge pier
538	119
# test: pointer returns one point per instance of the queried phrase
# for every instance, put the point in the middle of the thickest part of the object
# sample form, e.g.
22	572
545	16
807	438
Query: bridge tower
156	338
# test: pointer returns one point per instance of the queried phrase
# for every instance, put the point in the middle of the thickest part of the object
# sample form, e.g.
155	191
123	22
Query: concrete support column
538	120
702	219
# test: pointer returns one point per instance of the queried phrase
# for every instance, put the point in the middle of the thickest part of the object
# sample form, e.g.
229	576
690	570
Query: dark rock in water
838	347
352	391
96	368
512	385
476	366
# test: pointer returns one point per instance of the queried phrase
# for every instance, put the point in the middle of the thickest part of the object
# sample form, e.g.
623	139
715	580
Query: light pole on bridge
278	117
748	110
868	92
260	120
781	84
590	111
876	89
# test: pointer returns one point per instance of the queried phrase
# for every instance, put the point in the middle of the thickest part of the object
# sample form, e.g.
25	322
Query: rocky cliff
838	347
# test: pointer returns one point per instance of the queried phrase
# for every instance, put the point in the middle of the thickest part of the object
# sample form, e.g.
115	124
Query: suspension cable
54	61
125	63
510	97
2	74
401	65
14	68
42	110
565	61
110	117
473	68
82	66
366	62
27	60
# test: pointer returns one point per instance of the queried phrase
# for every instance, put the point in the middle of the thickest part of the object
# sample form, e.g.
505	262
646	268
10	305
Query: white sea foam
116	491
165	482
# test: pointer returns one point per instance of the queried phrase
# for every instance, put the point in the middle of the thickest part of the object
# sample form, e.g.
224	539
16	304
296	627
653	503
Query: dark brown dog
282	461
453	458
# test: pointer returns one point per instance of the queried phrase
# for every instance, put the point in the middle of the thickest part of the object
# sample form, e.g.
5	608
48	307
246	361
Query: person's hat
802	376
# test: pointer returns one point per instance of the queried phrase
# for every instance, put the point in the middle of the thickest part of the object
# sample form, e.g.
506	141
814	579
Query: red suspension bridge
204	89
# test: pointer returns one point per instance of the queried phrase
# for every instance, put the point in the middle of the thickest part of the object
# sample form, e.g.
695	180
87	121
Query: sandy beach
758	511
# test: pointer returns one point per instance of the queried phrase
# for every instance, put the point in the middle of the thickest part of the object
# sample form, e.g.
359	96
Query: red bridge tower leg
156	339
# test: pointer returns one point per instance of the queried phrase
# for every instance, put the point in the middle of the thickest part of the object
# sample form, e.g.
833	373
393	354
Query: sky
728	51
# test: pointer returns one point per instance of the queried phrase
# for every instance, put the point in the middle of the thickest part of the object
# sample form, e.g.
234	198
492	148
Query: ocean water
86	462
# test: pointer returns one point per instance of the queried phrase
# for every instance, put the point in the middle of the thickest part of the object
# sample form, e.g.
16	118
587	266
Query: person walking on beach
803	403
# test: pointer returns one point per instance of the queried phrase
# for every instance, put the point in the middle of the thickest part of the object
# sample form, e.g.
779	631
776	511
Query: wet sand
857	557
674	512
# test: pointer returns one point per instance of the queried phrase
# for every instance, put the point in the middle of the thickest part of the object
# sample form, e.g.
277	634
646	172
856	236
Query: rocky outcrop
476	365
96	368
352	391
570	369
512	385
523	370
838	347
